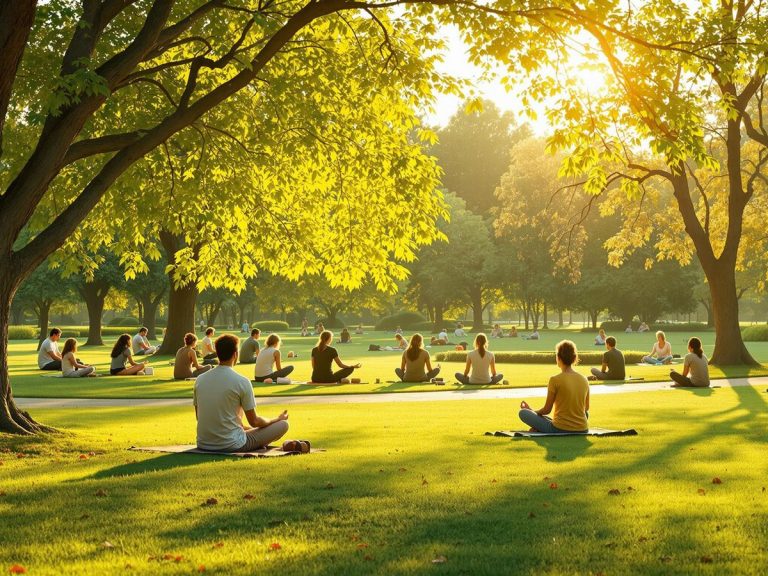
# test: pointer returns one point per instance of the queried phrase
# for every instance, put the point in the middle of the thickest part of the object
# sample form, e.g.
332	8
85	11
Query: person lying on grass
48	356
695	364
186	364
122	355
221	398
567	393
323	356
661	353
414	361
71	367
482	363
613	367
268	362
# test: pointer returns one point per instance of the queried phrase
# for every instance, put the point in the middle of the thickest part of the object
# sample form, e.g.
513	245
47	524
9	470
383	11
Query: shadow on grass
160	463
565	449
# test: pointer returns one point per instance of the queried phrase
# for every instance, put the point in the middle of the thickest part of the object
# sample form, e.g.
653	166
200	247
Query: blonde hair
324	340
663	336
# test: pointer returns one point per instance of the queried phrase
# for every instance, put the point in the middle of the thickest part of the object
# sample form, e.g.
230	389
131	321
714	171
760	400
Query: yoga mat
331	383
60	375
675	361
592	432
268	452
273	383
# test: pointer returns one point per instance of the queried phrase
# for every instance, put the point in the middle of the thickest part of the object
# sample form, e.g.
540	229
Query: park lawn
400	486
28	381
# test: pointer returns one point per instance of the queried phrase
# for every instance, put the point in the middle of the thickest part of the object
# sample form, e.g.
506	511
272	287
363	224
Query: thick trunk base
181	318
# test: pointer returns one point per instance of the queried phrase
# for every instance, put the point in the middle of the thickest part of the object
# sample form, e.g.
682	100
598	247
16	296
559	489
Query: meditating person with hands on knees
323	356
661	353
696	364
141	345
221	398
482	364
121	355
268	362
613	367
567	393
415	359
186	364
48	356
70	365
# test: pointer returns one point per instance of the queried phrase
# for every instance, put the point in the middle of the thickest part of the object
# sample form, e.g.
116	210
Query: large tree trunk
43	315
181	317
708	307
94	294
729	345
593	317
17	315
476	299
12	419
149	307
545	325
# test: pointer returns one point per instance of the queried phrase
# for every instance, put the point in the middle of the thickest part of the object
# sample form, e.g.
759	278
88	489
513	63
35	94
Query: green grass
28	382
400	485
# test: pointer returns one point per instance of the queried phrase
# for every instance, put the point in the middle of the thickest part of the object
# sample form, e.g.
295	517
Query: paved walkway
478	394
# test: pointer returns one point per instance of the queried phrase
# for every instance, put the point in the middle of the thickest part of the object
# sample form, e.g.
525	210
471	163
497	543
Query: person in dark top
323	356
613	363
345	337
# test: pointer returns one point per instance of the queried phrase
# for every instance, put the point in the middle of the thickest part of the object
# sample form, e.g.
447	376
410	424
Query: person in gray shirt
613	363
249	348
695	368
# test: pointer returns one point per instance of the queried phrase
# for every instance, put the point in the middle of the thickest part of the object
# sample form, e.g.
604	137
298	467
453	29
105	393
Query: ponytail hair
695	345
481	343
324	340
414	347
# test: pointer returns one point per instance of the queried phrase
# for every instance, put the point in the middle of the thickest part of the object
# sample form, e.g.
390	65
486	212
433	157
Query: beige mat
268	452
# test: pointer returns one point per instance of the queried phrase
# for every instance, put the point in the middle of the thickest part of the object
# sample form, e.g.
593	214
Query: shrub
426	327
271	326
592	357
123	321
406	321
336	324
755	333
616	327
117	330
70	333
23	332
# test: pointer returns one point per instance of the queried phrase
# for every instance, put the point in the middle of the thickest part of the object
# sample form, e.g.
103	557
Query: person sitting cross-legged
71	367
48	356
661	353
613	367
186	364
323	357
482	363
249	348
415	360
567	393
209	353
695	368
221	398
268	366
122	363
140	344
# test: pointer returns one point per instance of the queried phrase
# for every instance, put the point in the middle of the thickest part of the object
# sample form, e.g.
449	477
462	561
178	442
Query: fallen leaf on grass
210	502
706	560
249	497
553	486
218	545
439	560
275	546
424	481
494	481
716	480
83	457
17	569
329	486
665	559
403	469
701	491
531	515
21	455
107	544
614	492
201	568
629	488
100	493
362	545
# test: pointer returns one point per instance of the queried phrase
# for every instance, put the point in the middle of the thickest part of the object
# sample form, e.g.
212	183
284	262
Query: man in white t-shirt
442	337
49	357
221	397
141	345
209	354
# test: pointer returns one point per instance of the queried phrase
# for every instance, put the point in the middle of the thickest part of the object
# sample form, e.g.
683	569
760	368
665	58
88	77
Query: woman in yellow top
567	393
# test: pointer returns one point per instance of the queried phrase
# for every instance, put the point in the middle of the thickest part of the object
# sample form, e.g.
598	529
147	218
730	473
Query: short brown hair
189	338
611	341
226	347
209	331
255	332
566	351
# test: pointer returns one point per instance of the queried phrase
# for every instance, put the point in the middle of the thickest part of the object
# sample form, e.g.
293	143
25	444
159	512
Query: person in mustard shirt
567	393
